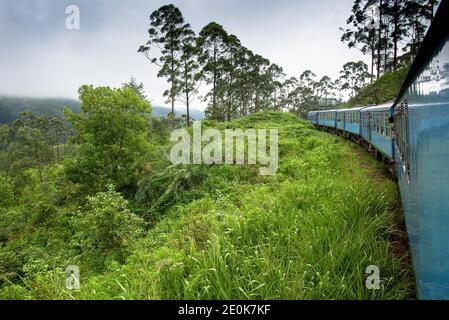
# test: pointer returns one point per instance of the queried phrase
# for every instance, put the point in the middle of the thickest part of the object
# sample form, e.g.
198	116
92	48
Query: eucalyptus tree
270	86
325	87
191	71
213	42
418	15
226	86
167	25
243	82
381	27
353	77
258	69
362	33
288	88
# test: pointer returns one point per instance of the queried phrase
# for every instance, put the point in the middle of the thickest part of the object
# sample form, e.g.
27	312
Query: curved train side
412	134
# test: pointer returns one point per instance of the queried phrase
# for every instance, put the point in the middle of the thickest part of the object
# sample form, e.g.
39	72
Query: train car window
402	137
375	122
382	127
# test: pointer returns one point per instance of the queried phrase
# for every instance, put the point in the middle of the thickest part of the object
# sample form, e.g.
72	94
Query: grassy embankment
308	232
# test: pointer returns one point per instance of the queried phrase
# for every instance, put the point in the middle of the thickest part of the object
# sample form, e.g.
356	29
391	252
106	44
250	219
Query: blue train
412	132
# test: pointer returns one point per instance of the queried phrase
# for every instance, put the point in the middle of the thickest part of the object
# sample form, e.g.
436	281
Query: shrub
106	227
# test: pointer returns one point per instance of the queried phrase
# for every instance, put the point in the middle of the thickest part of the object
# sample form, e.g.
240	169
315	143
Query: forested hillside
10	107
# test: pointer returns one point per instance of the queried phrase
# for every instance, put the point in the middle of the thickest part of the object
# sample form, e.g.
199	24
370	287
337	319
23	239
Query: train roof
332	110
351	109
382	107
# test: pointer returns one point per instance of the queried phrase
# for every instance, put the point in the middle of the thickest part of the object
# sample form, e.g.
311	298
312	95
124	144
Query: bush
6	193
106	227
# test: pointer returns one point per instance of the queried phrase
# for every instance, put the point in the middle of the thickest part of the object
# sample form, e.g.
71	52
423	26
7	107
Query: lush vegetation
93	187
384	89
199	231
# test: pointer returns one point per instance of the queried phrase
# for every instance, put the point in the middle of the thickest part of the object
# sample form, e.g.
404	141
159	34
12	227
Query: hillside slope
382	90
225	232
10	107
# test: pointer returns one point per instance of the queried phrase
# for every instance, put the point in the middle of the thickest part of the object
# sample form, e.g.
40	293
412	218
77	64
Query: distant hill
164	111
10	107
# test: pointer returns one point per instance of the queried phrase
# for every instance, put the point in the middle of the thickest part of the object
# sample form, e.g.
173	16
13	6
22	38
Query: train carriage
418	141
327	118
422	159
376	127
341	118
313	117
352	120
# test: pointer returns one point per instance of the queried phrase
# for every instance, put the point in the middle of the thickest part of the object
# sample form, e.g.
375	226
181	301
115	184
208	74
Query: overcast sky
40	57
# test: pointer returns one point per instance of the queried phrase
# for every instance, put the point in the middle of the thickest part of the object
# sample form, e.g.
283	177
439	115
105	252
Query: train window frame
402	137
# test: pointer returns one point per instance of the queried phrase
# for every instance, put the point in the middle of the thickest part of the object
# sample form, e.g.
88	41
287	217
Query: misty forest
90	184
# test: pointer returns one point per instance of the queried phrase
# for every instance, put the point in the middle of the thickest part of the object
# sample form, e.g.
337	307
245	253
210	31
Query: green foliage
6	192
353	77
111	132
382	90
226	233
169	33
106	227
380	28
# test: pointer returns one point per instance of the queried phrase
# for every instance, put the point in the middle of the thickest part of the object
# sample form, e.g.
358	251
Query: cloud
40	57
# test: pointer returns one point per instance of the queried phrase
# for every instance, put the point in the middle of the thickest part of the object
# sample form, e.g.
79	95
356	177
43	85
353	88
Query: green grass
308	232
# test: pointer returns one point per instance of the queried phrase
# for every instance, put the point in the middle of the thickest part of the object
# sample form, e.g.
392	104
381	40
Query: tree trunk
214	96
188	109
395	34
379	56
373	55
172	92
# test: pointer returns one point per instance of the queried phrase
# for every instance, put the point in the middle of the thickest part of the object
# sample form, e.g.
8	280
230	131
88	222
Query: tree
167	27
363	32
59	135
381	27
353	77
418	15
213	41
190	75
111	134
325	88
32	142
136	87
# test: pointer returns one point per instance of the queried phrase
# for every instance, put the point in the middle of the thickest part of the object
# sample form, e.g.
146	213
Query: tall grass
309	232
